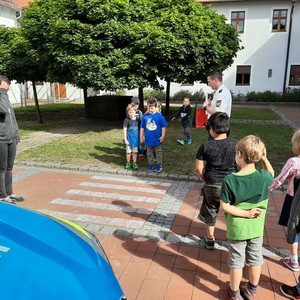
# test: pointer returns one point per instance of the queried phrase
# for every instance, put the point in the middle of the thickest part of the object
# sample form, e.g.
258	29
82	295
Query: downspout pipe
288	47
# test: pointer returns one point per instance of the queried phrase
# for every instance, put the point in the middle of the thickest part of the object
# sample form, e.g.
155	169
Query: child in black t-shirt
214	160
185	115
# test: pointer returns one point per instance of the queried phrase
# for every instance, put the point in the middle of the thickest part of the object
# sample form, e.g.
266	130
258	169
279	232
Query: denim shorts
210	205
249	251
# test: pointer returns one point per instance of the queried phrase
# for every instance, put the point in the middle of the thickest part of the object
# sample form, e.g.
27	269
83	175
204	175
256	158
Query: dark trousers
7	158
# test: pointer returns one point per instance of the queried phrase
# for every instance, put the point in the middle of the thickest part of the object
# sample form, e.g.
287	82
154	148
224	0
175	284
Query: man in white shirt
222	100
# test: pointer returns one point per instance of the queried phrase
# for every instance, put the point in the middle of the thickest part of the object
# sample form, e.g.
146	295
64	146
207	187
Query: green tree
19	61
189	40
88	43
119	44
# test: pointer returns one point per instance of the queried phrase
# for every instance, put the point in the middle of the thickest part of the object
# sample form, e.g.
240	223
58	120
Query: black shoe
209	244
290	291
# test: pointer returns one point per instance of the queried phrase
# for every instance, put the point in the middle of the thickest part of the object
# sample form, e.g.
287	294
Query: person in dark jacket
184	114
9	139
293	291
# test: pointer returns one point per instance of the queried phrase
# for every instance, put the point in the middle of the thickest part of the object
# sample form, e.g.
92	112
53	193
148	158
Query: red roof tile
22	3
9	3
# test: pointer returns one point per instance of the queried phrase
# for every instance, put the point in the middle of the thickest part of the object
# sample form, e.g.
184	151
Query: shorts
131	149
210	205
249	251
285	211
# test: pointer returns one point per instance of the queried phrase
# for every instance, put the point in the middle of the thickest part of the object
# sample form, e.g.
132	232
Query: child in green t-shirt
244	199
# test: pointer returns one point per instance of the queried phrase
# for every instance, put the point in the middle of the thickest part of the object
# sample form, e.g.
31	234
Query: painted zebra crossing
122	206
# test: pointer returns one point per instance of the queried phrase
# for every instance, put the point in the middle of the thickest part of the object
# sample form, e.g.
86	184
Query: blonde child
131	137
244	199
290	170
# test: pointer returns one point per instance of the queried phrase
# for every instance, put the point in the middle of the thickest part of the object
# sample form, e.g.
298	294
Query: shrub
291	95
180	95
198	95
157	94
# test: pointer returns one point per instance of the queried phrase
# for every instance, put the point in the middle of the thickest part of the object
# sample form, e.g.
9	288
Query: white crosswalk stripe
116	196
100	220
103	206
129	180
122	187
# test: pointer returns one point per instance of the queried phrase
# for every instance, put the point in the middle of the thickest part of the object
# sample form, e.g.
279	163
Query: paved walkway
150	230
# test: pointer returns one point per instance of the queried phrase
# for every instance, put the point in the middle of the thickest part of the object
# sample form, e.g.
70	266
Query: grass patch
254	114
104	145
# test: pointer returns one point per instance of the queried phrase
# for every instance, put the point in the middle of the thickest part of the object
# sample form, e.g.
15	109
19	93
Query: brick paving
155	246
150	230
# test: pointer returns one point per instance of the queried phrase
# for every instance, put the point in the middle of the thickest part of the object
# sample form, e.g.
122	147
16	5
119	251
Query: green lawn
102	145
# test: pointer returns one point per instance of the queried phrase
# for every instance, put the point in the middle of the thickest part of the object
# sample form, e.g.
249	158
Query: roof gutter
288	48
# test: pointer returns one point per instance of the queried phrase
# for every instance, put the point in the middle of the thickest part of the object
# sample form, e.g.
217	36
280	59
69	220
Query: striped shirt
290	170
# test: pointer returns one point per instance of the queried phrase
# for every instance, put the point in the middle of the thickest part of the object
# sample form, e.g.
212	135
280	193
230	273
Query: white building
269	32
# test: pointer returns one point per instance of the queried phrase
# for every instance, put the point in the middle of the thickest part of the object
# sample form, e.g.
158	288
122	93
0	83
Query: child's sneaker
209	244
151	168
16	197
180	142
290	291
128	165
238	297
158	168
141	157
247	294
135	166
189	141
8	200
292	266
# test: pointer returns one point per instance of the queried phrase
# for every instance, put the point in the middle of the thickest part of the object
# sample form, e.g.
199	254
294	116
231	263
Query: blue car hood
41	258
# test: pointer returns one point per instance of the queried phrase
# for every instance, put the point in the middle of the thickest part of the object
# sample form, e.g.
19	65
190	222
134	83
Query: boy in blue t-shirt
131	137
152	133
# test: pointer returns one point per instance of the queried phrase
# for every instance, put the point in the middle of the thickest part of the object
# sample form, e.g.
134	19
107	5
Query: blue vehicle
44	257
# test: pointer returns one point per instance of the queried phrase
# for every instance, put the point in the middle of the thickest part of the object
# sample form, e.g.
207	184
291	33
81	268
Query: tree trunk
36	101
141	97
167	111
85	99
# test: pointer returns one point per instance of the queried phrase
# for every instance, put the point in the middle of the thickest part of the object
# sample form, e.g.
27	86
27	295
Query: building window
238	21
243	75
279	20
295	75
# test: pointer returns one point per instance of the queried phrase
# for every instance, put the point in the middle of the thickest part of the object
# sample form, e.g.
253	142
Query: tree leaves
118	44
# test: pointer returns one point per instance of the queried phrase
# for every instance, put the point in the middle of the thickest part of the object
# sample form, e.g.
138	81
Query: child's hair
129	107
158	107
296	142
152	102
251	148
219	122
5	79
186	98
